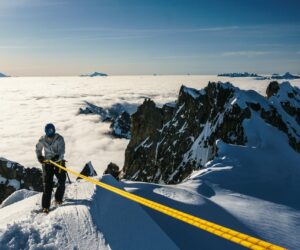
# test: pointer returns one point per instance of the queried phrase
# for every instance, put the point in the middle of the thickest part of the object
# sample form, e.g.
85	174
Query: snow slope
257	183
22	227
99	219
94	217
90	218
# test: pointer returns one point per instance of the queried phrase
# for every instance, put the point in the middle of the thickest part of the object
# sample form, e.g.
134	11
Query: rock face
116	114
113	170
13	177
169	143
121	126
272	89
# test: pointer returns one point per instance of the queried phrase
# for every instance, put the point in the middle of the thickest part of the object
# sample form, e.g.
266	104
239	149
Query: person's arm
38	150
61	149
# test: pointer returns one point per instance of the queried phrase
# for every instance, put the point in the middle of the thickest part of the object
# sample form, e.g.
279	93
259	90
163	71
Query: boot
45	210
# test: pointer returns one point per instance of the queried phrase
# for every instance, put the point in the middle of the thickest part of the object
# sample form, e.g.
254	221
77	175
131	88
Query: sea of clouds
28	103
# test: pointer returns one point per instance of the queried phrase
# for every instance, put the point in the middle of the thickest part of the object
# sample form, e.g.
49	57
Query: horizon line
154	74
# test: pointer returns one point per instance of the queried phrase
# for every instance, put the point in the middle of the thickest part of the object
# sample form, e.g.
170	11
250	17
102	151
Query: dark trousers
48	172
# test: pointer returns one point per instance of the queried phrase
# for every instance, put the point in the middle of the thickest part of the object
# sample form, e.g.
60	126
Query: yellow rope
226	233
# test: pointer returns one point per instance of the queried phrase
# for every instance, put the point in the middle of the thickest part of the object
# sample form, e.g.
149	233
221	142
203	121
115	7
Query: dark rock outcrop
14	176
113	169
169	143
88	170
272	89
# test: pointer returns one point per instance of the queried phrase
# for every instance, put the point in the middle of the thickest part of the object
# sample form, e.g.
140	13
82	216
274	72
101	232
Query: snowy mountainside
257	182
169	143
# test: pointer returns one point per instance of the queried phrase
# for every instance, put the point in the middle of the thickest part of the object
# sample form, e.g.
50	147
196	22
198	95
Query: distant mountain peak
95	74
286	76
237	74
3	75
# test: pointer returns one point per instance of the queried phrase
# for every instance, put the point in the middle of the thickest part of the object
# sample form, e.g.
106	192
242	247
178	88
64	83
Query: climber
53	145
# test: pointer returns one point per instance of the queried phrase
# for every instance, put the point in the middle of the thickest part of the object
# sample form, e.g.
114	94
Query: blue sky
71	37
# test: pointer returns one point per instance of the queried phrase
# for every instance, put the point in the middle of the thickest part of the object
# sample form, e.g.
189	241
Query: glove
55	158
41	159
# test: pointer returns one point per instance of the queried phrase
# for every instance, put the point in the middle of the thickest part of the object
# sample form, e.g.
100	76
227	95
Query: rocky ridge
169	143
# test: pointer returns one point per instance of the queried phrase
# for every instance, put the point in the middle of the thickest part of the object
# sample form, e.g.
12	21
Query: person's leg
61	179
48	173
